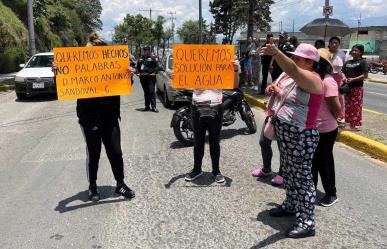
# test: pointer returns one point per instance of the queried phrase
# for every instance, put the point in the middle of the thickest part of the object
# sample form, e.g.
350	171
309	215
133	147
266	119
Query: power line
150	12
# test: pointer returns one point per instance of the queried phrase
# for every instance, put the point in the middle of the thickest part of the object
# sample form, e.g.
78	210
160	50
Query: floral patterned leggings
354	107
297	147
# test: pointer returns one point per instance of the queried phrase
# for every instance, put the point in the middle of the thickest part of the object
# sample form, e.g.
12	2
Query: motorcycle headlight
19	79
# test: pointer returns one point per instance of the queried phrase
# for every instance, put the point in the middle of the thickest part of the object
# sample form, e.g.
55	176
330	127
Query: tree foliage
139	30
232	15
60	22
189	32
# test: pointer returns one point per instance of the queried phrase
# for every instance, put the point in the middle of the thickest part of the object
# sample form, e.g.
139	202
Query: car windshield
41	61
170	62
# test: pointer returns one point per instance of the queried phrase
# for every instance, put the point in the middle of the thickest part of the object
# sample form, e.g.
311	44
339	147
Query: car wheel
21	95
166	101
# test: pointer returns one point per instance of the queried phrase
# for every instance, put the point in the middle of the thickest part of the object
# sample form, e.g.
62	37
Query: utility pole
200	23
250	22
31	30
358	27
173	18
293	27
150	12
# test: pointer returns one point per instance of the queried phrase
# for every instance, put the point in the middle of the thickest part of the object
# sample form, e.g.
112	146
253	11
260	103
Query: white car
36	76
164	82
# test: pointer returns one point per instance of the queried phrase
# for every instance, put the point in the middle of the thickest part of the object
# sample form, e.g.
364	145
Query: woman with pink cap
298	102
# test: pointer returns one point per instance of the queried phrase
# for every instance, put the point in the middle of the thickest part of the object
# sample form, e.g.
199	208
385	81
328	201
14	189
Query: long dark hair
322	67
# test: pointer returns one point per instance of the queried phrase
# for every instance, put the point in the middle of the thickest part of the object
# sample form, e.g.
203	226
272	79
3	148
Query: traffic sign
327	10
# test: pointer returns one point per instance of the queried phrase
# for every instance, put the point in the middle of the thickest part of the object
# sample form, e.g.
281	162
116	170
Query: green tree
90	11
231	15
189	33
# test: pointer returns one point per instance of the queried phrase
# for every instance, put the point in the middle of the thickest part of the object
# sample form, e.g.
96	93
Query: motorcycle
233	104
376	67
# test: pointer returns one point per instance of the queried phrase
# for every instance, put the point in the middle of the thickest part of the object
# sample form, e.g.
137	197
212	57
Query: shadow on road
206	180
224	134
42	97
106	192
279	224
230	133
177	145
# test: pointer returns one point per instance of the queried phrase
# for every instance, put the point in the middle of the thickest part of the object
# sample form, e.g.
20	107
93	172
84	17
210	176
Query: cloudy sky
285	11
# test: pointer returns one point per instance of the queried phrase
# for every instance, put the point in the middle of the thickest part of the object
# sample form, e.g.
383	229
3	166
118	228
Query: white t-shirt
204	95
337	61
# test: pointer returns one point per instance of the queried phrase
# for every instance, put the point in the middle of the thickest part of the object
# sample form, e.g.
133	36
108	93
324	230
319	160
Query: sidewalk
377	78
372	139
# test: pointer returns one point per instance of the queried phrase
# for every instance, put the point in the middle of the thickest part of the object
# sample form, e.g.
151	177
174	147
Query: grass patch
9	82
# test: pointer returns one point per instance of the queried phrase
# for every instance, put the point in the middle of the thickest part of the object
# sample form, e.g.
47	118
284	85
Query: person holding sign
147	67
99	120
295	118
207	114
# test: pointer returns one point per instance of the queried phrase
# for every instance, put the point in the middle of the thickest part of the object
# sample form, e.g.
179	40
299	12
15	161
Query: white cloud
115	10
301	11
369	7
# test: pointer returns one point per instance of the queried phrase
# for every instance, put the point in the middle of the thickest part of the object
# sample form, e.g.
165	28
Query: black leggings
324	163
110	136
200	126
266	151
148	84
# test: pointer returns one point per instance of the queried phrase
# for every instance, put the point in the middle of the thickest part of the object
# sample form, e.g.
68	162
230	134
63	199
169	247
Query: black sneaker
192	175
298	233
219	178
146	109
125	191
93	193
328	200
154	109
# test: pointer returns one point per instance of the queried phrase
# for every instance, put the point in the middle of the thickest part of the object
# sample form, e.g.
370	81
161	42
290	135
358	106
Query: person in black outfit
99	121
147	68
284	46
265	61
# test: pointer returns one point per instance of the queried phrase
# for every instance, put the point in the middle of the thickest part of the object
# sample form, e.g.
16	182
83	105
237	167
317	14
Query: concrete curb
376	81
370	147
6	88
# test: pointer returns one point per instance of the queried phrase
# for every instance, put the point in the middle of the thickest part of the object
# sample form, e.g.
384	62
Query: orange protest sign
87	72
203	66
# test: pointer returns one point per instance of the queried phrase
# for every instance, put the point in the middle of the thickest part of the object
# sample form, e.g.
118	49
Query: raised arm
305	79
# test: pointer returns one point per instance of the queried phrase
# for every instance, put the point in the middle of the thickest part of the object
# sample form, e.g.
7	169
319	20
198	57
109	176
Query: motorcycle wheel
183	130
373	70
248	116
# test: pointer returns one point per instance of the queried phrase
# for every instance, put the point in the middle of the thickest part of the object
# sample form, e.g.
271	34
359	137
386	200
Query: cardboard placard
88	72
203	66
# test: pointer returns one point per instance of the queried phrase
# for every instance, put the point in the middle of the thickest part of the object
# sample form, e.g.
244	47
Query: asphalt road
44	201
375	97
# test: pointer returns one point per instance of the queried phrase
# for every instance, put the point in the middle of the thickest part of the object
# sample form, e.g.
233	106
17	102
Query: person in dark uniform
284	46
99	121
266	61
147	68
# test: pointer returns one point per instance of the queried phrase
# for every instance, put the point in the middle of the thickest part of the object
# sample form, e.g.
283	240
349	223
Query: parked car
164	83
36	76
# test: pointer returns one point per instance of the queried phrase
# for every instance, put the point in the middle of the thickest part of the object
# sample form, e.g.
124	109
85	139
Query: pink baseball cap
307	51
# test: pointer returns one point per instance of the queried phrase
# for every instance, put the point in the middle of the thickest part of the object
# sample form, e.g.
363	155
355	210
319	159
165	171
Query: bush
10	59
